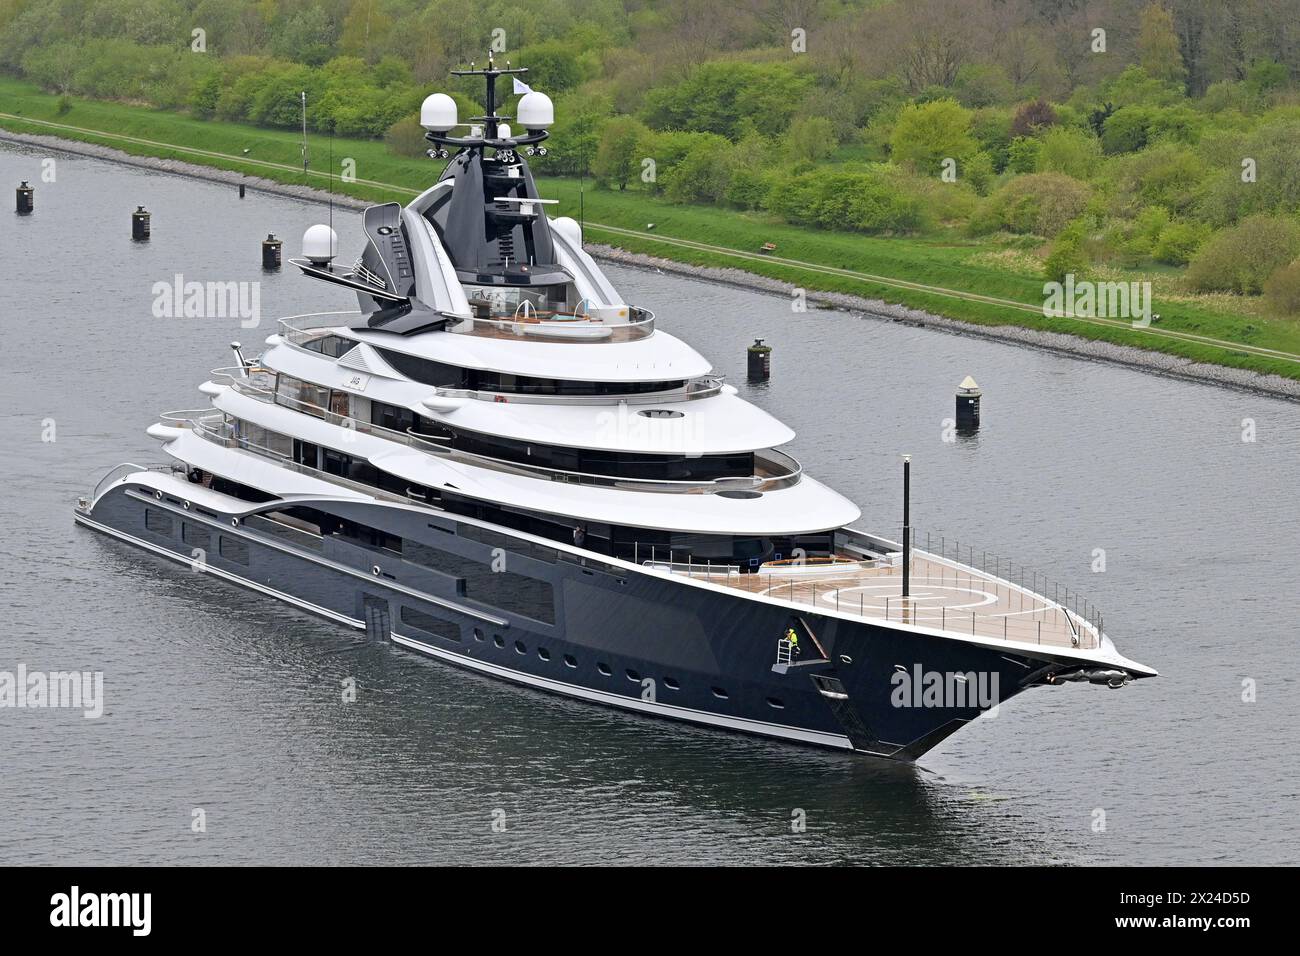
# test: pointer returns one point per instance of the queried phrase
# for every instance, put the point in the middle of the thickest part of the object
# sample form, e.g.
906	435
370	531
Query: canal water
225	707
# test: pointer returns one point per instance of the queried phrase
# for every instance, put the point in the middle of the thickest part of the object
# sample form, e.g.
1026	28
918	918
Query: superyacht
498	462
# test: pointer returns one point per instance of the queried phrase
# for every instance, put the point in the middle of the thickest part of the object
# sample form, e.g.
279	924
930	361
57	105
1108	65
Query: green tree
718	97
618	157
810	139
1282	290
406	137
204	99
1158	49
1242	257
1023	154
1069	150
703	174
1040	203
926	134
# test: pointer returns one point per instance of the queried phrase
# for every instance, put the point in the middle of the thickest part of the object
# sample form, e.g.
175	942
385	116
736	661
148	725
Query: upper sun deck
525	348
623	323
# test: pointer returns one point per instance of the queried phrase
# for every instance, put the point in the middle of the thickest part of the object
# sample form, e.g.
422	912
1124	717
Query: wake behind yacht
498	462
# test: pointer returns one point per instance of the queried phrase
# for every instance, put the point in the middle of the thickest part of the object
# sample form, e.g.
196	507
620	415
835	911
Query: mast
491	120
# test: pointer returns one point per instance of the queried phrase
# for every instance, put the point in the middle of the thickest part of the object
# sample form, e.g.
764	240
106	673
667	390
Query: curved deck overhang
803	507
720	424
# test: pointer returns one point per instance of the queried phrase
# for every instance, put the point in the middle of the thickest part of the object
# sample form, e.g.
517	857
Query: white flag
521	86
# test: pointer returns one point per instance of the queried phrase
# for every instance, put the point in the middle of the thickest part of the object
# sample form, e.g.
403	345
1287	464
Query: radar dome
535	111
320	244
568	228
438	113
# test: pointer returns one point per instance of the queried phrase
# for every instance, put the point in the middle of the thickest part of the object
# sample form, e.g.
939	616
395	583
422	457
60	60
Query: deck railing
297	329
1018	573
774	469
705	387
128	468
573	327
1015	610
215	427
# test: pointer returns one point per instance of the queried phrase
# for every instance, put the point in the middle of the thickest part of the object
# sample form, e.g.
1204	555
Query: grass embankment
951	277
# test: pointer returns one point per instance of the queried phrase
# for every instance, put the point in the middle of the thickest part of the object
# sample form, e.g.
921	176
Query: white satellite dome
569	228
535	111
320	243
438	113
503	130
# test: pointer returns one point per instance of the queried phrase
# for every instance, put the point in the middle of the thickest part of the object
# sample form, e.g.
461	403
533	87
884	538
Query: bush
1066	258
1241	258
1264	76
1282	290
702	175
718	96
1070	151
978	171
1126	130
1178	242
670	149
926	134
992	131
1164	175
553	66
748	189
1275	147
1032	118
1023	153
406	137
834	199
1041	203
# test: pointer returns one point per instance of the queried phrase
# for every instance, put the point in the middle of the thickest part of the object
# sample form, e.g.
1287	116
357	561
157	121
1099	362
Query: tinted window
430	624
234	549
157	521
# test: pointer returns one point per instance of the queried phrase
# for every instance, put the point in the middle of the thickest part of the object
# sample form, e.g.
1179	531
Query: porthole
633	675
234	522
498	640
775	703
719	693
604	670
543	653
185	505
672	684
158	495
374	569
520	648
845	659
479	635
570	661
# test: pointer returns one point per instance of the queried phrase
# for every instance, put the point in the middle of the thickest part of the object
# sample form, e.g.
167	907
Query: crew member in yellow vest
793	638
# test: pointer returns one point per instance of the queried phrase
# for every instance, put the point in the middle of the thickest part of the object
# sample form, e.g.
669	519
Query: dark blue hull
570	622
